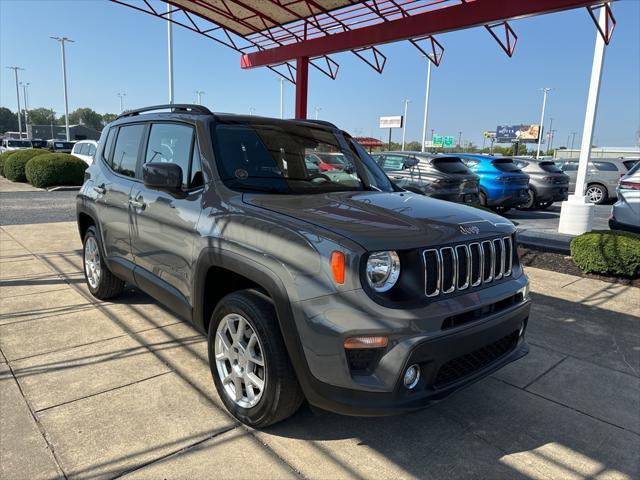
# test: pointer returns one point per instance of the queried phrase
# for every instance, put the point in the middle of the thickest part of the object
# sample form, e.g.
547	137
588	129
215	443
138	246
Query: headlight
383	270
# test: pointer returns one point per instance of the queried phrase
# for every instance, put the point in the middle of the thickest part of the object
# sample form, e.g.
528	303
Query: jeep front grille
450	269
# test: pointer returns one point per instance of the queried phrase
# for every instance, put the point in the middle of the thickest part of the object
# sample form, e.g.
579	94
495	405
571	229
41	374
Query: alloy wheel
92	266
240	360
595	194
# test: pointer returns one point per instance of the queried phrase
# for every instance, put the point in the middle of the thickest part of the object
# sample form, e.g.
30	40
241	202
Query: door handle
137	204
100	189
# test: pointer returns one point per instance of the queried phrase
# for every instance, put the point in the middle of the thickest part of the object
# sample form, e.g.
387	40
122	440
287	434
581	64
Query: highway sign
437	140
448	142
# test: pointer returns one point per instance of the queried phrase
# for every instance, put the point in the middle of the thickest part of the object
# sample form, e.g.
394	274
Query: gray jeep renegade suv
337	287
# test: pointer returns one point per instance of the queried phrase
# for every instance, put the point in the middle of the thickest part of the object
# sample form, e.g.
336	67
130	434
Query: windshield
285	159
505	165
18	143
550	167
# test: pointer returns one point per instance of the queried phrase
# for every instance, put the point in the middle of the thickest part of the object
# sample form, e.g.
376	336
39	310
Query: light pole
199	94
404	122
251	110
170	51
545	91
121	95
426	103
573	139
15	72
316	110
459	139
550	134
64	80
281	97
52	119
25	95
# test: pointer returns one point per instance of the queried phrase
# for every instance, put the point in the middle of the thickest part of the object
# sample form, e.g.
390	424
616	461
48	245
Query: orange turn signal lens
365	342
337	266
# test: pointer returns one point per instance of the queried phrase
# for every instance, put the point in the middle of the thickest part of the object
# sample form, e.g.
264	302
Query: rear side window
505	165
80	149
125	152
550	167
570	166
171	143
605	166
630	163
91	149
450	165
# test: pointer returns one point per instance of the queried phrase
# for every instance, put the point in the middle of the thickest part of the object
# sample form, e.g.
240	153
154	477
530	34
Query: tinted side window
108	145
570	166
393	162
171	143
91	149
605	166
125	153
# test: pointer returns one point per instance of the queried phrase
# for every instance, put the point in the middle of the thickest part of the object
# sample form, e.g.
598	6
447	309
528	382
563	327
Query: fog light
411	376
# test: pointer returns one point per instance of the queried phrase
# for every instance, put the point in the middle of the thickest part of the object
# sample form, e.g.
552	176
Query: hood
387	221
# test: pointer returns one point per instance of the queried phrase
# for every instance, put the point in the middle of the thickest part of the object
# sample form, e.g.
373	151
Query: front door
164	223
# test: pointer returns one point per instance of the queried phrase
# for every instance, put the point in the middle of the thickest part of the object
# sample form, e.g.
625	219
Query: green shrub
55	169
607	252
3	158
14	165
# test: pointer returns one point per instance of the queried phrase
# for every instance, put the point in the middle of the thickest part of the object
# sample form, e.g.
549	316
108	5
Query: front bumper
483	346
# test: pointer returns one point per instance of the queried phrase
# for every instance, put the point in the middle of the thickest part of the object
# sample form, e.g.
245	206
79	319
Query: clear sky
475	88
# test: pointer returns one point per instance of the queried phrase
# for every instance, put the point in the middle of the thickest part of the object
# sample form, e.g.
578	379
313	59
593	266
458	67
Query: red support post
302	86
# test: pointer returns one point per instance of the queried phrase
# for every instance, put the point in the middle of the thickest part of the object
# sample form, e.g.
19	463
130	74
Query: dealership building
599	152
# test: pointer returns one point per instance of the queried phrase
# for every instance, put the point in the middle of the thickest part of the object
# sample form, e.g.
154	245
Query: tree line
45	116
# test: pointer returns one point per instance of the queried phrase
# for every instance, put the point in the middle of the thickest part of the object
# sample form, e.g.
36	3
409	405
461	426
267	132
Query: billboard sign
488	134
437	140
391	122
448	142
517	133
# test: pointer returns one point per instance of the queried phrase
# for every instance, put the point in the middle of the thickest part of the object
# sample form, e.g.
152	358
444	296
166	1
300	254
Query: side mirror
162	176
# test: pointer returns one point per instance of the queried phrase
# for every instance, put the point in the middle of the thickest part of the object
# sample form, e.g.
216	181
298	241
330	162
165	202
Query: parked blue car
502	184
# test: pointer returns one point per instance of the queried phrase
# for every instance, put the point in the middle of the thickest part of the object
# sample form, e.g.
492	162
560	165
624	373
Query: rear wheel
101	282
249	362
596	193
531	201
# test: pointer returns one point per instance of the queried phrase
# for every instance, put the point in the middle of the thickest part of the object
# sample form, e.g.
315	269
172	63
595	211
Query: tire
483	199
100	281
531	201
596	193
281	395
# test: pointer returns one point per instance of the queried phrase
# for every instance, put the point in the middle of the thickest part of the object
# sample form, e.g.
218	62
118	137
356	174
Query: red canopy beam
432	22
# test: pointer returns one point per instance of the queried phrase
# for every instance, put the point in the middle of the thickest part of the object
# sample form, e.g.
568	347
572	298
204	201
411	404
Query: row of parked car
83	149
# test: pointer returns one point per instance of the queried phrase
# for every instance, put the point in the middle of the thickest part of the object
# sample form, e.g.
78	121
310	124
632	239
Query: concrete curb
63	188
556	245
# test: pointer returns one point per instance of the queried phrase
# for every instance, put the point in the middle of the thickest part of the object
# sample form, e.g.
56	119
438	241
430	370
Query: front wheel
249	362
596	194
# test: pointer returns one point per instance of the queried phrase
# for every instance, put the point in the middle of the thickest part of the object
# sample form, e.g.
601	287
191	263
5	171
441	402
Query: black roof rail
319	122
174	107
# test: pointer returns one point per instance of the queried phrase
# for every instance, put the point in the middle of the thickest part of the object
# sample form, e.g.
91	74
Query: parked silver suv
603	176
347	291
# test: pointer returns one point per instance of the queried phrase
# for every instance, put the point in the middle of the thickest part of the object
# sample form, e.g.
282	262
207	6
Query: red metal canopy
273	33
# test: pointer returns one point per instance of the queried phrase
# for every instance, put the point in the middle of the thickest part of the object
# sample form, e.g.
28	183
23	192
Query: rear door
163	224
113	189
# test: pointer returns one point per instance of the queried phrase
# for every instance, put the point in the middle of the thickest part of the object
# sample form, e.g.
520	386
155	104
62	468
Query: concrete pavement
123	389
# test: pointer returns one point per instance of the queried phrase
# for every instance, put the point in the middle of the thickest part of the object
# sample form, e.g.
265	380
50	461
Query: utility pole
52	119
404	122
426	104
281	98
552	134
545	91
549	135
251	110
121	95
25	95
15	72
573	139
64	81
199	94
170	52
316	111
459	139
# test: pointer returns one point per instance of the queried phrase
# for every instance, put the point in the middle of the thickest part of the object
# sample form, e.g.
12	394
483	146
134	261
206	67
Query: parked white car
85	150
625	213
14	144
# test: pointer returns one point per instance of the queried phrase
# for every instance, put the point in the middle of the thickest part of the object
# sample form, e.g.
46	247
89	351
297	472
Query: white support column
426	106
170	52
404	123
576	215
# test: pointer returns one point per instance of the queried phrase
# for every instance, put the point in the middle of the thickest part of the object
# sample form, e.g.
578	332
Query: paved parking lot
104	390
